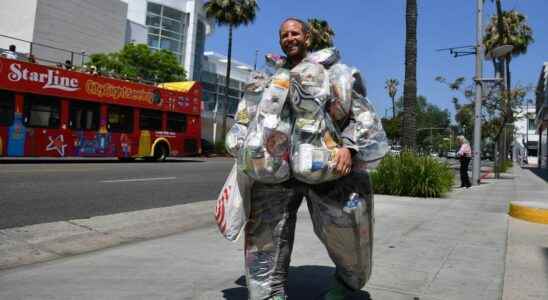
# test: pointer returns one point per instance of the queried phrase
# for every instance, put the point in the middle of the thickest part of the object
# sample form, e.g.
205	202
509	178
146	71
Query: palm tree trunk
409	129
227	82
393	108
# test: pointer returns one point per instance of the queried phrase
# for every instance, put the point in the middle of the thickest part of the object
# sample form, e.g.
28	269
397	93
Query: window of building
120	118
84	116
166	28
176	122
7	106
151	119
41	111
531	124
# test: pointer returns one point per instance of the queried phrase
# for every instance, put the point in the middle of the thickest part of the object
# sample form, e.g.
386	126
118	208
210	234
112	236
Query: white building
95	26
213	82
541	120
176	25
526	137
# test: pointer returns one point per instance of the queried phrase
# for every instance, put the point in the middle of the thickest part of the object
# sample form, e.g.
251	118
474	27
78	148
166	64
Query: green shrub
409	174
505	165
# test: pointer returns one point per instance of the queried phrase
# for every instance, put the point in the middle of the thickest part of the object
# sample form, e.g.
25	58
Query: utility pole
255	61
479	95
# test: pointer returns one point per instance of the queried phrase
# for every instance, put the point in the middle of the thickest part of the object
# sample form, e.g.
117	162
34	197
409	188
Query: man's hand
343	161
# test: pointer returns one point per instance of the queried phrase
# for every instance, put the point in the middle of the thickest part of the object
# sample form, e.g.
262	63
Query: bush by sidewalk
409	174
504	166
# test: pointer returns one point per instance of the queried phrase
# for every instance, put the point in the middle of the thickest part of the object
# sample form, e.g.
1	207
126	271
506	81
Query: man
11	54
341	209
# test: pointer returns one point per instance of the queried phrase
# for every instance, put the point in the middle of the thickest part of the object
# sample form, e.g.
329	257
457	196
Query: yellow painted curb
529	211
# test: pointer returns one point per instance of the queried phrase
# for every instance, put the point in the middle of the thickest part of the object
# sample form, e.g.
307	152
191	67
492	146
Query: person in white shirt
11	54
464	154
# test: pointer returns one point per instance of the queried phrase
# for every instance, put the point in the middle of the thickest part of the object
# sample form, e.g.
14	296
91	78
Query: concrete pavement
429	249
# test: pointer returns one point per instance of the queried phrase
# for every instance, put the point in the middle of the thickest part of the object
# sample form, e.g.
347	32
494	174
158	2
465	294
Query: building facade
179	26
85	27
526	137
213	82
541	120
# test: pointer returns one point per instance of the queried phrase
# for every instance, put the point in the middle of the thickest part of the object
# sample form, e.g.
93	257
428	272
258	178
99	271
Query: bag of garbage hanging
231	208
247	109
265	152
314	140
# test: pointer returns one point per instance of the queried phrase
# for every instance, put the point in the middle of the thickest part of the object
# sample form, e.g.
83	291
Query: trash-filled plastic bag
231	209
265	152
247	109
314	140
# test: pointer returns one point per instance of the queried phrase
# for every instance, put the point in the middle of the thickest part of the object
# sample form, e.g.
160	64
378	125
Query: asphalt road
39	191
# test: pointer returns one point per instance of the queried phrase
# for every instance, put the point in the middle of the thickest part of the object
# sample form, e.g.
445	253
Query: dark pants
464	179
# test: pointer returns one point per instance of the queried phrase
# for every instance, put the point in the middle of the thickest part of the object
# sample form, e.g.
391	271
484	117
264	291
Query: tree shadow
305	283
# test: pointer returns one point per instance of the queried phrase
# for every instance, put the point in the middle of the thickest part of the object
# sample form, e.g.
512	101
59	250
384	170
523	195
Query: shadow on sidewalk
542	173
305	283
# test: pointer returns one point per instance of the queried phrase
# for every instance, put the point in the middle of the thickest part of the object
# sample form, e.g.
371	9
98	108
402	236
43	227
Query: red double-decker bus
46	111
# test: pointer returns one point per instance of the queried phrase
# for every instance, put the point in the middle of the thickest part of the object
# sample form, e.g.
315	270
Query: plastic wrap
314	140
265	152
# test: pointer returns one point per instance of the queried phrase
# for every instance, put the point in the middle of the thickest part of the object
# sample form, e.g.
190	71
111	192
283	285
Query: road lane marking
138	179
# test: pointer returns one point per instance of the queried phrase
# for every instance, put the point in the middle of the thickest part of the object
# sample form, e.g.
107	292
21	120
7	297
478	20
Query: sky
371	37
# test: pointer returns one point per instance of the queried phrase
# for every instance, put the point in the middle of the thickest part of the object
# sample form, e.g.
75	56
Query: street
41	191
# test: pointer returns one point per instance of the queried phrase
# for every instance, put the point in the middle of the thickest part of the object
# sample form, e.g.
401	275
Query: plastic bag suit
327	110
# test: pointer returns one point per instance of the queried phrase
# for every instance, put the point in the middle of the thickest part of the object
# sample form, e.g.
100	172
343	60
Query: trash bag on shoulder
247	109
314	140
264	155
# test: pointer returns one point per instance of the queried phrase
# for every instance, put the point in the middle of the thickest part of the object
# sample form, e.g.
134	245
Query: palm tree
231	13
409	124
392	87
513	30
321	34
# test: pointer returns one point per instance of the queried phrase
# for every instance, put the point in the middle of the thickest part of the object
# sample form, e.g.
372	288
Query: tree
139	62
433	123
321	34
231	13
513	30
498	109
409	126
392	88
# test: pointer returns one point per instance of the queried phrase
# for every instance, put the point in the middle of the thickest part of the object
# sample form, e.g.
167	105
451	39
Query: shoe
337	292
278	297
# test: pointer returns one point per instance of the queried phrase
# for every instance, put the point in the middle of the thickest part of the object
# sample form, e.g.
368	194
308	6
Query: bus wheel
161	152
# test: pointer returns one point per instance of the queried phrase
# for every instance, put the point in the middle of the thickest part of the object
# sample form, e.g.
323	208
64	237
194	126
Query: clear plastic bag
265	152
314	140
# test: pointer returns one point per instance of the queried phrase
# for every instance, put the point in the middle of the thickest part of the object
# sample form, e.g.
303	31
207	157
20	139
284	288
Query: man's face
293	40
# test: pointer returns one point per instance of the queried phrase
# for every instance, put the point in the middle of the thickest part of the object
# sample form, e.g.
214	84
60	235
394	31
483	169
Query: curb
536	212
43	242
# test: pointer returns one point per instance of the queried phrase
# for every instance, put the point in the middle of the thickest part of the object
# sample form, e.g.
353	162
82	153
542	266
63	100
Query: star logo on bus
57	144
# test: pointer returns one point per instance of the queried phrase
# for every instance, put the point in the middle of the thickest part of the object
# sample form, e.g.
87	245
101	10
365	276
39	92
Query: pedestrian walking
464	154
310	116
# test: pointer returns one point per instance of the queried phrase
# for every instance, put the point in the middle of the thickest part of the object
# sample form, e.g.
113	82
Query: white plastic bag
231	210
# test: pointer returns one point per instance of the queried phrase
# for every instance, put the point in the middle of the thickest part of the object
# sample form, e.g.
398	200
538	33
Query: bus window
151	119
41	111
120	119
6	108
84	116
176	122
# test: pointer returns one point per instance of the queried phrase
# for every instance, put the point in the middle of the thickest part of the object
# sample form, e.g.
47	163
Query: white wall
92	26
17	20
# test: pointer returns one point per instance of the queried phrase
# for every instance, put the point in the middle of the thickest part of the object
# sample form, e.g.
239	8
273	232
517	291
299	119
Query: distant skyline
371	37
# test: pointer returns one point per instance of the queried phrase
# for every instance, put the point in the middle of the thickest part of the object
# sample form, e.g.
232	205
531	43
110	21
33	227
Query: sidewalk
428	249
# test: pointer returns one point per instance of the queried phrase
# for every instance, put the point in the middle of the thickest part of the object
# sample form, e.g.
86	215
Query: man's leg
342	214
269	236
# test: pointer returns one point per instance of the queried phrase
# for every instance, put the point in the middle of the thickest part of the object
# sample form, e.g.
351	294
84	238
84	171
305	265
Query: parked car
451	154
395	149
